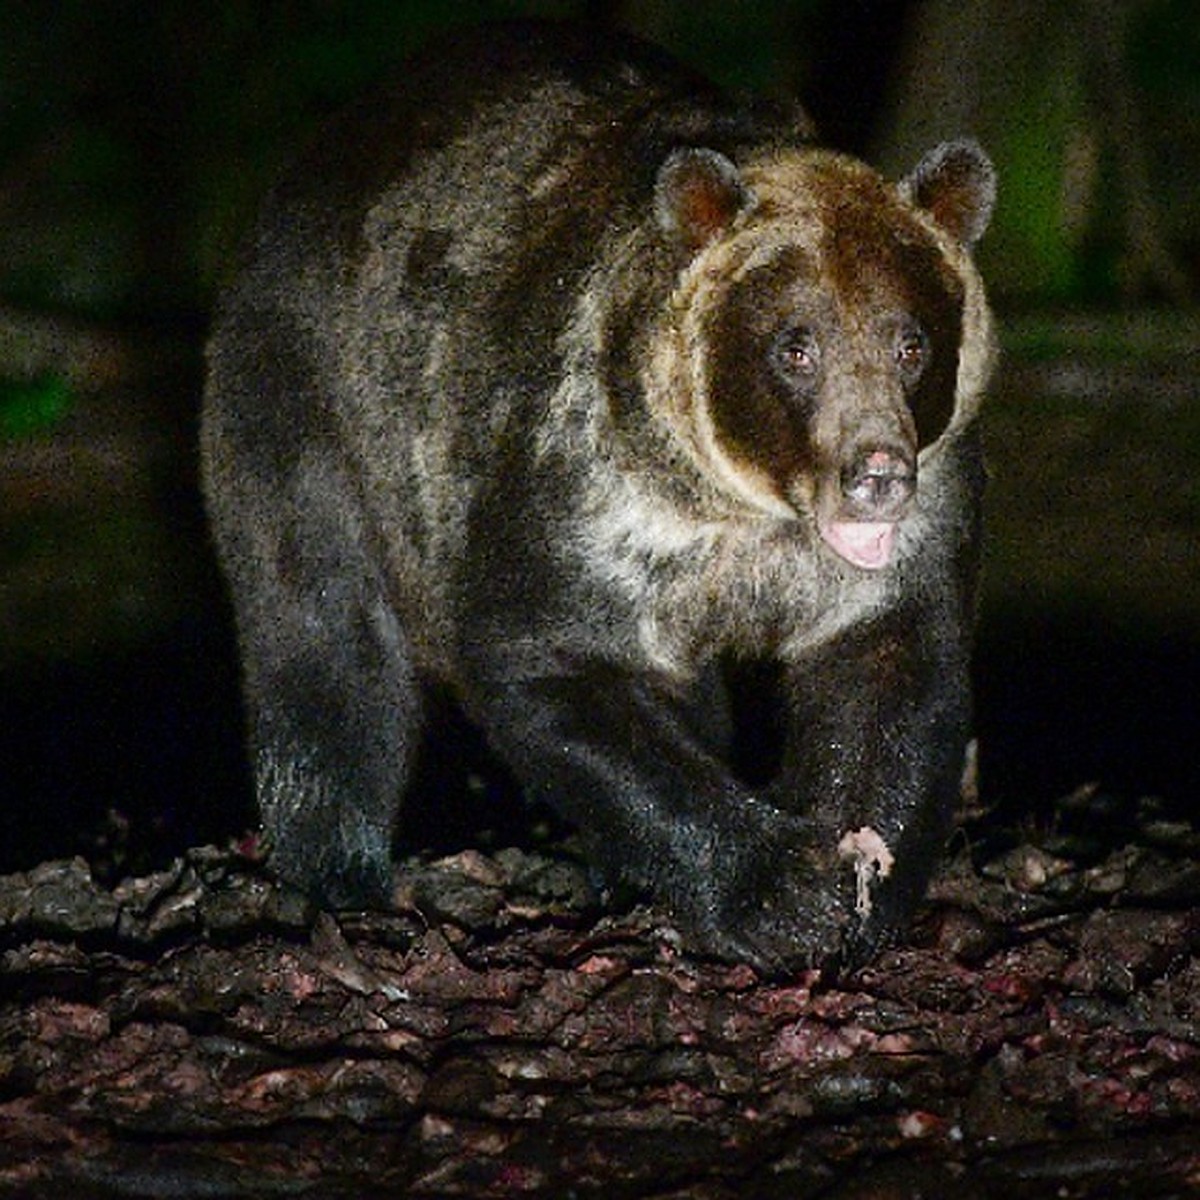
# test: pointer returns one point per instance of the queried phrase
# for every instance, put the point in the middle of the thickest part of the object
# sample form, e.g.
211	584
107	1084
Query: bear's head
827	329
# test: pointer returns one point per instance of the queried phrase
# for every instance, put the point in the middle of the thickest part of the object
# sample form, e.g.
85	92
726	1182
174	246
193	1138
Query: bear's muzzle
878	485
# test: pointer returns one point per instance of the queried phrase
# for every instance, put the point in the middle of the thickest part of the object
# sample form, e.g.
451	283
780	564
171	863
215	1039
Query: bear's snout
878	485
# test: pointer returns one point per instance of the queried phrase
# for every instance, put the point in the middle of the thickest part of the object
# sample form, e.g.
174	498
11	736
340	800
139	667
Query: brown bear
554	382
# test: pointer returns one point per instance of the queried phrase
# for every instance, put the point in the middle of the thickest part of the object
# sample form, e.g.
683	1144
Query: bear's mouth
866	544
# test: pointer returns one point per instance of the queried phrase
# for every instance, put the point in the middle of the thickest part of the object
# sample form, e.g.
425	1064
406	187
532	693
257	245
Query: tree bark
202	1033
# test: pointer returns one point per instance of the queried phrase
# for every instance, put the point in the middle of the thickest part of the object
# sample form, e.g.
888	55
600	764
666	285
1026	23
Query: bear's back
509	131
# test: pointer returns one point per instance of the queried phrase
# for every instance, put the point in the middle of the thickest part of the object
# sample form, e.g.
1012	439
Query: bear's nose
878	485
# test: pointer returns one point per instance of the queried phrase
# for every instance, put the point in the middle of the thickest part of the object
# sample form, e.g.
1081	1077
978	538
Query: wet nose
878	484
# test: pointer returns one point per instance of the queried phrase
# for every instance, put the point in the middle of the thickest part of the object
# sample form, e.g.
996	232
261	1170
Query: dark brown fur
555	383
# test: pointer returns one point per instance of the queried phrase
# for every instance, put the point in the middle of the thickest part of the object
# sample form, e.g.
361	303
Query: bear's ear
697	195
956	184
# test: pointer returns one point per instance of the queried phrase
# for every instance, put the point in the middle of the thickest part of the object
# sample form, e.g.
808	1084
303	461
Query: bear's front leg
626	760
877	727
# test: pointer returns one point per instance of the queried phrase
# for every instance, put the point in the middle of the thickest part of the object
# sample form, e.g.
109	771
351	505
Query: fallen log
200	1032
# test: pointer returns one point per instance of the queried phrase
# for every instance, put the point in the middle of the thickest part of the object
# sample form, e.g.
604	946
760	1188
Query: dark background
134	141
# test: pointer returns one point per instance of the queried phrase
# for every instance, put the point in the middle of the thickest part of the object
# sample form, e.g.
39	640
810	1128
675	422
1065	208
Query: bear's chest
693	589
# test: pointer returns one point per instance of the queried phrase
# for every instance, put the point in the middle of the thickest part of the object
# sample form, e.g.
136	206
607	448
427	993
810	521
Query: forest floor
199	1033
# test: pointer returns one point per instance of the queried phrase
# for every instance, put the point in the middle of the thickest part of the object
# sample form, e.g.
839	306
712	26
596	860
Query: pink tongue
866	544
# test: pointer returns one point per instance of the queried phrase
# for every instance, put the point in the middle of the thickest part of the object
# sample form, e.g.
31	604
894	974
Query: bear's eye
911	352
797	355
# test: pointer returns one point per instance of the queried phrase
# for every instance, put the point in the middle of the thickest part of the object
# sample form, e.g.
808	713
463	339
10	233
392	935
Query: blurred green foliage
135	139
31	408
1029	231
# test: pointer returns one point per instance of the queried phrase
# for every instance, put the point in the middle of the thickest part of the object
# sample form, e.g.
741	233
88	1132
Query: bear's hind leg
334	718
332	702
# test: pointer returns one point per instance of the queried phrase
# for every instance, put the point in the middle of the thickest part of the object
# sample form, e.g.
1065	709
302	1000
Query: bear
626	416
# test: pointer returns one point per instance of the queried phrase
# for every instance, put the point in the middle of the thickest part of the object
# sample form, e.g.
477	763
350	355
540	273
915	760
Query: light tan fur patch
872	860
